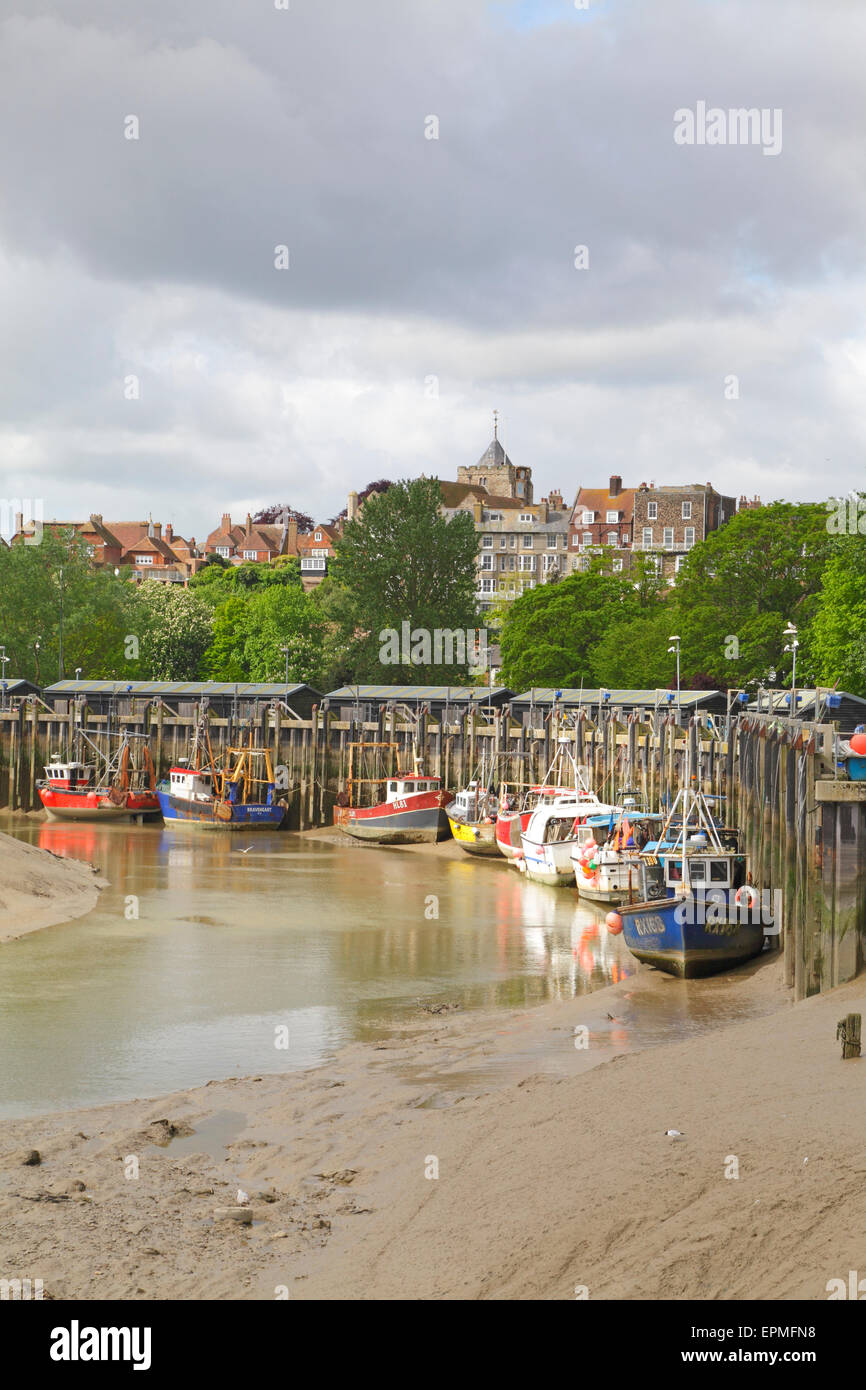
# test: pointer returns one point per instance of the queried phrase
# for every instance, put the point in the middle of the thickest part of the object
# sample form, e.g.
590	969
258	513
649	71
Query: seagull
247	850
242	1198
674	1134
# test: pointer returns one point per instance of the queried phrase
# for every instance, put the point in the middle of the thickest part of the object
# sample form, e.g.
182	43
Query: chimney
150	527
226	523
169	532
352	509
19	525
292	537
157	530
615	486
249	526
96	518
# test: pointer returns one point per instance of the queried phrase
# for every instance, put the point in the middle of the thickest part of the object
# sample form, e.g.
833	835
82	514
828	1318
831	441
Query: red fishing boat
124	787
413	810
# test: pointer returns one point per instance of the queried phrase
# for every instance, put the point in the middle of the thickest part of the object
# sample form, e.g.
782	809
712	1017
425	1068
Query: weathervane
496	424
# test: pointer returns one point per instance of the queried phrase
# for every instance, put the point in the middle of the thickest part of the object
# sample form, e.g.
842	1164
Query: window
668	538
612	516
551	541
527	542
526	516
587	538
512	542
617	564
503	541
687	511
527	562
678	563
612	538
690	537
550	563
486	586
318	536
647	537
588	518
652	511
487	541
144	559
251	554
308	563
487	562
223	550
575	540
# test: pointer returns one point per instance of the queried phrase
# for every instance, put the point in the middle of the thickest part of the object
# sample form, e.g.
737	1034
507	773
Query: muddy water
199	956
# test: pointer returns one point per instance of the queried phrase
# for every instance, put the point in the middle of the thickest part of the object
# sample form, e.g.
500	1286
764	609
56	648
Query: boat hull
419	819
96	805
509	828
203	816
688	949
478	838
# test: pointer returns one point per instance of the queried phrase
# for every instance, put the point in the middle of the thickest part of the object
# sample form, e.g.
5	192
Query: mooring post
848	1029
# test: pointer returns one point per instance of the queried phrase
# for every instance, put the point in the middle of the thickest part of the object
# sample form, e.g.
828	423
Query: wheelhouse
413	784
69	776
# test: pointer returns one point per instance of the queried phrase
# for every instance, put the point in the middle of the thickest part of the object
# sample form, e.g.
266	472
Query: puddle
212	1137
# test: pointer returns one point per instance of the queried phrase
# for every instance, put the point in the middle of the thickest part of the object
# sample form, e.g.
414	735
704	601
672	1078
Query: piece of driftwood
848	1029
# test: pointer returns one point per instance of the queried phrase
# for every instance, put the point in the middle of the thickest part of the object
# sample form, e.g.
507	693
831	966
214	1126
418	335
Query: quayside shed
366	702
238	699
535	705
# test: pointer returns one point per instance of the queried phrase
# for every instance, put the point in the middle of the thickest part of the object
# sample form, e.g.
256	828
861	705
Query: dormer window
318	535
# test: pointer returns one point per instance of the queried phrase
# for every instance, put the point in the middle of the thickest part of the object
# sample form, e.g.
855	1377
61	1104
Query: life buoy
752	892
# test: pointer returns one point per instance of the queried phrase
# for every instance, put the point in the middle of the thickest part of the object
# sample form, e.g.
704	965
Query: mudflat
477	1155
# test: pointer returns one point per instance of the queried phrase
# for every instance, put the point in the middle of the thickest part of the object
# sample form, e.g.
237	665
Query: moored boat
238	792
120	787
607	865
697	913
412	811
472	816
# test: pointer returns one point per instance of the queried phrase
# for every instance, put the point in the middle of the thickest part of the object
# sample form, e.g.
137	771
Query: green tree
634	653
225	658
37	584
740	587
283	616
174	628
402	561
837	641
550	634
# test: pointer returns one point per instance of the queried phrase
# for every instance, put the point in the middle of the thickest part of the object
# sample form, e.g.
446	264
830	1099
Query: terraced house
521	542
662	522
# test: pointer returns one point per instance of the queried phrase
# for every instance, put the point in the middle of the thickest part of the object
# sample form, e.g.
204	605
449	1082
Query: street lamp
3	660
285	651
676	648
791	646
36	647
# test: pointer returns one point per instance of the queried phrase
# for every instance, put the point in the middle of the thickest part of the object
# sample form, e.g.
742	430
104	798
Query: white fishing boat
553	830
607	864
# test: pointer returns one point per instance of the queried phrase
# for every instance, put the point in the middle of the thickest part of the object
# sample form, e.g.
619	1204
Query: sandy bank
554	1167
38	889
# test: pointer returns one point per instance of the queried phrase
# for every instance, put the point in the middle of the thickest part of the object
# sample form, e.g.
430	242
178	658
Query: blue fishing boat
697	913
238	792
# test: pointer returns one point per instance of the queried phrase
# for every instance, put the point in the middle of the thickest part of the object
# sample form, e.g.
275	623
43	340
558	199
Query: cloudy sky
430	280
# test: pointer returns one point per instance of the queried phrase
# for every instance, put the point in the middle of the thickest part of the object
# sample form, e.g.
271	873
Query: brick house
602	520
315	548
670	521
259	542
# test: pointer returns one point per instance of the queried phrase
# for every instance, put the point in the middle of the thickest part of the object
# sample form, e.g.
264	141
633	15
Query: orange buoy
613	922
